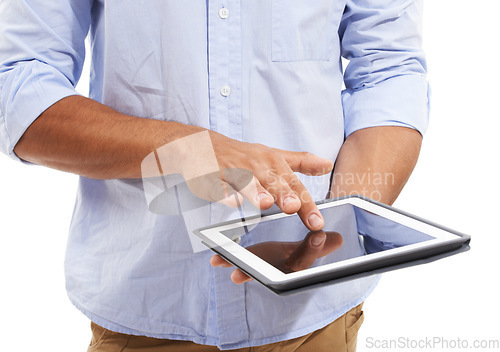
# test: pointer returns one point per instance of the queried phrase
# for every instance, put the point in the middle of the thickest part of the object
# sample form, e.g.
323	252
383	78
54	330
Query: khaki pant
341	335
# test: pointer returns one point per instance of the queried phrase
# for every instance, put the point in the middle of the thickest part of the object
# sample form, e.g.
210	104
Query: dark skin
84	137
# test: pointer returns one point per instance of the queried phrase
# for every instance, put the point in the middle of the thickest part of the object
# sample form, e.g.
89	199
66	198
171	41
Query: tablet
361	237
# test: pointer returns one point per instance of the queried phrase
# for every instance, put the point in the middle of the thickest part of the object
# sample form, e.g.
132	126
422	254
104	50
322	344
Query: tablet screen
349	232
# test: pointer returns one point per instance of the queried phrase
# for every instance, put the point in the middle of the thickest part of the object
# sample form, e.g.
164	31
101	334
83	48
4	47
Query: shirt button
225	91
223	13
236	239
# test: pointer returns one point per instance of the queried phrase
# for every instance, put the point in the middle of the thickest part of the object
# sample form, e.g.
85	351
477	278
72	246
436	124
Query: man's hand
274	180
288	256
84	137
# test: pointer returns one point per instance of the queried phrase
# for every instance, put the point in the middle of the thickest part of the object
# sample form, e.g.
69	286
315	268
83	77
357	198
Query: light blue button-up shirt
264	71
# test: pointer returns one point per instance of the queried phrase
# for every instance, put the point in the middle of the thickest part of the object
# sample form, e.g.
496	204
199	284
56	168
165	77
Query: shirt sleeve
42	50
385	79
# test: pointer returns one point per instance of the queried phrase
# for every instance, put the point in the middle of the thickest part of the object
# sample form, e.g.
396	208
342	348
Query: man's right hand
274	177
84	137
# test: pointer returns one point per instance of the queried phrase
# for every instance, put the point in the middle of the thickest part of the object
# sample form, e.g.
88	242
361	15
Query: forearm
82	136
376	162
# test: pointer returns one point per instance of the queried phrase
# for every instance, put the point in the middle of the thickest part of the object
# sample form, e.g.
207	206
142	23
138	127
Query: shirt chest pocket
304	30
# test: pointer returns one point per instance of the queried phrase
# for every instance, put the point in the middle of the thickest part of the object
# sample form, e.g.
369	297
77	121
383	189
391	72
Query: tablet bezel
267	274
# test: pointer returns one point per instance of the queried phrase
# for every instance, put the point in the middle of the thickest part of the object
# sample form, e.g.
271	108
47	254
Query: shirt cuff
26	91
398	101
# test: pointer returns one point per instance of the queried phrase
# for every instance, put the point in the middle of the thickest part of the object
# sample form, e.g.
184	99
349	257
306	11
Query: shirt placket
224	69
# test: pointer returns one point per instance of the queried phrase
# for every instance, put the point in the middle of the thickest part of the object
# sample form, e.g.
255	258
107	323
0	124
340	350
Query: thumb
308	163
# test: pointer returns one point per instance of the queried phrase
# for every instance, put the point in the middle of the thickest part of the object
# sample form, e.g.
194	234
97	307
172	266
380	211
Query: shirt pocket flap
303	30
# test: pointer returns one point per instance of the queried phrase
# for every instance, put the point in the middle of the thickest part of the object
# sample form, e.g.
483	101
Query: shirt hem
214	341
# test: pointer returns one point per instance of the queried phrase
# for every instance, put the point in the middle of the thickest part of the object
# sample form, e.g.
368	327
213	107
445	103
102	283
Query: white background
455	184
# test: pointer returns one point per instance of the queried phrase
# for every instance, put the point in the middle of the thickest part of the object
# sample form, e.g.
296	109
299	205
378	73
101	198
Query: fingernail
316	240
315	221
262	195
288	200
